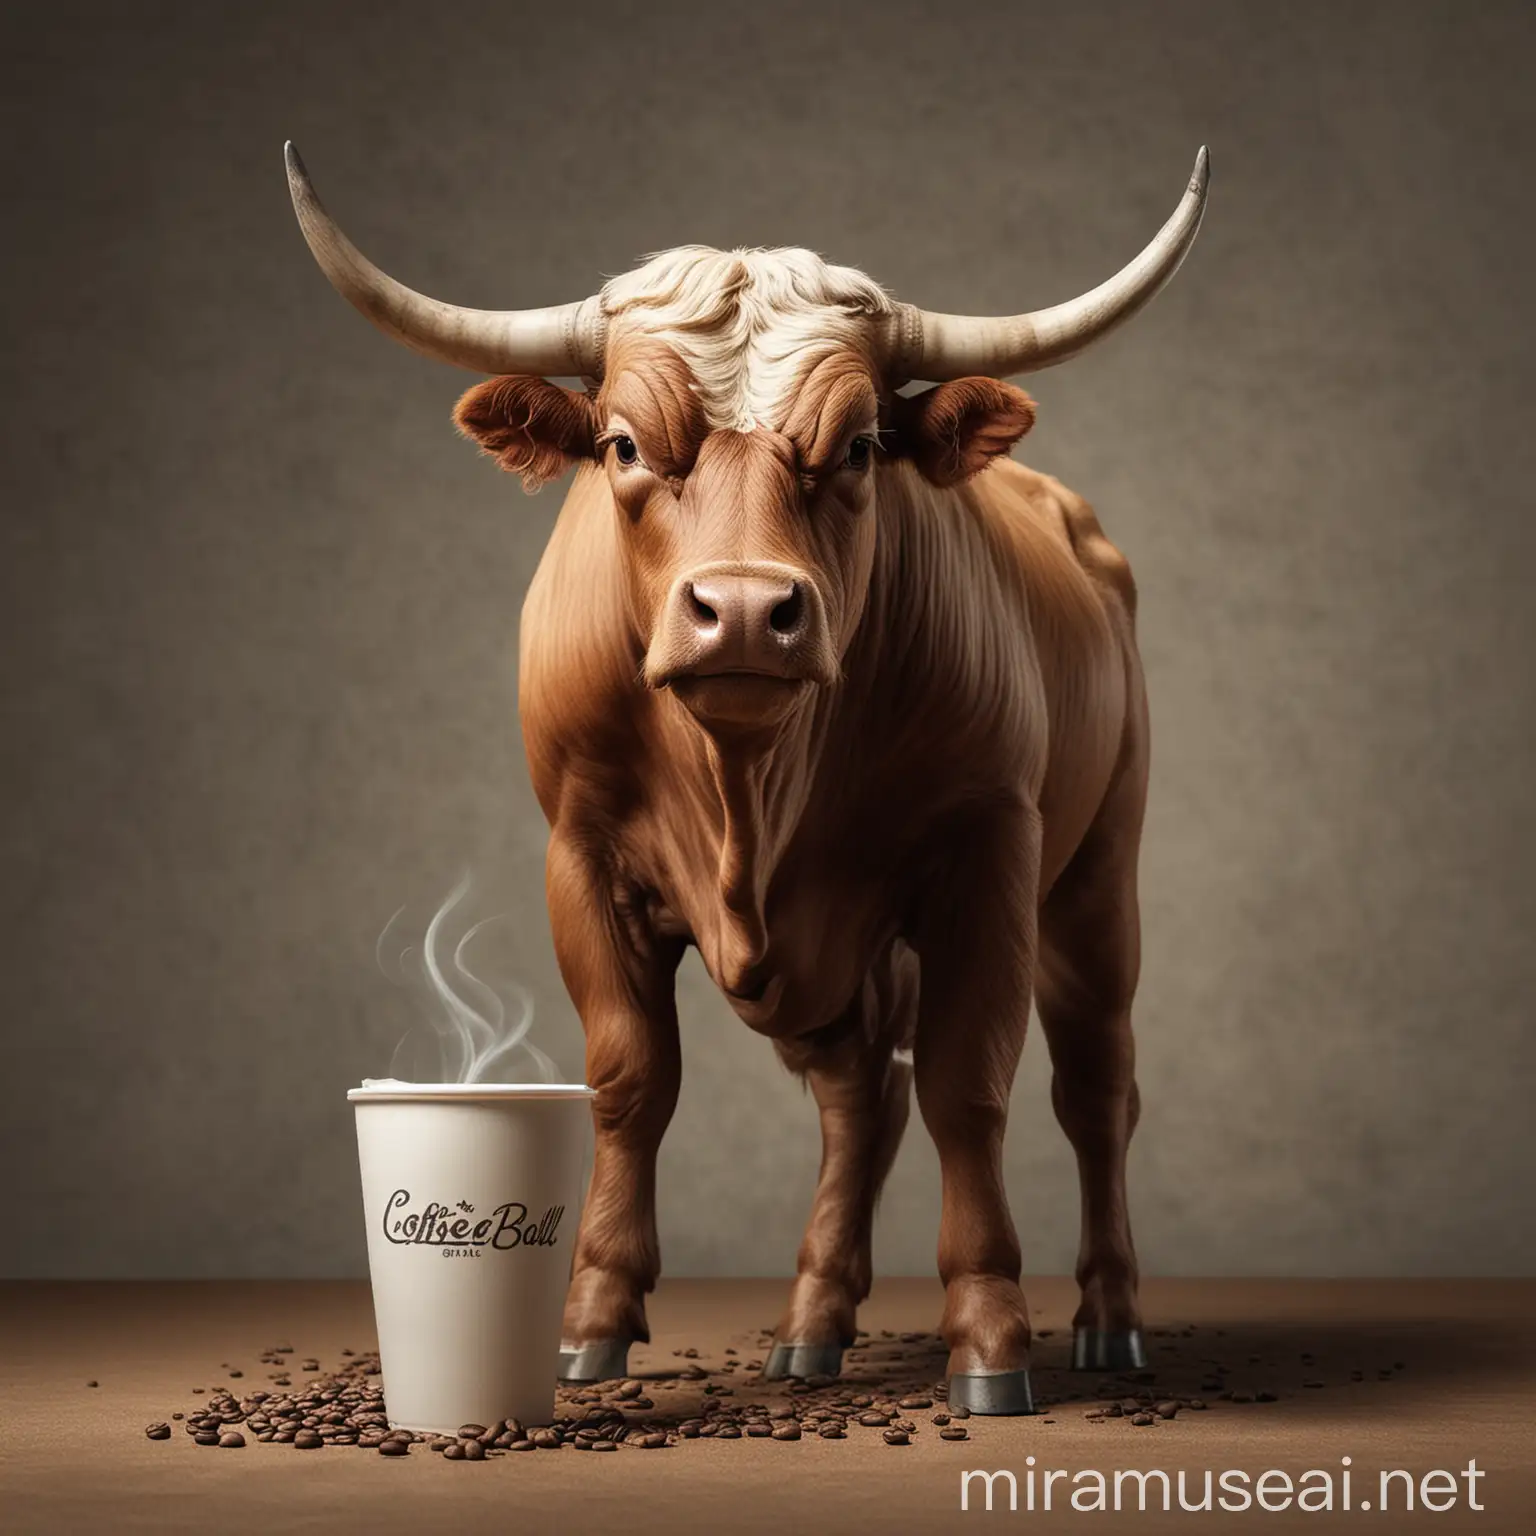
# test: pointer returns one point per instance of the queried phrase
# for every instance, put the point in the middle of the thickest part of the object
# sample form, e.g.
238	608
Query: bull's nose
745	621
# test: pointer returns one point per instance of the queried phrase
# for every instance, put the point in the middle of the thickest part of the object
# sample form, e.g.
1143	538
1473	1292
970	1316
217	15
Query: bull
816	678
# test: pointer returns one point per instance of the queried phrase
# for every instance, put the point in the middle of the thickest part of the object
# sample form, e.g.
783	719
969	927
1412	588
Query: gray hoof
1094	1349
992	1392
601	1360
803	1360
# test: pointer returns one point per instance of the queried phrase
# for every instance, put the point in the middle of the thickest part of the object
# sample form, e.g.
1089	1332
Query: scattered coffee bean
1141	1420
1167	1410
206	1437
454	1451
957	1432
896	1437
232	1439
789	1431
160	1431
394	1447
915	1402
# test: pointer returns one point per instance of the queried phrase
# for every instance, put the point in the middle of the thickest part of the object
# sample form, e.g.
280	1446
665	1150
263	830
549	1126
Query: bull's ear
953	430
529	426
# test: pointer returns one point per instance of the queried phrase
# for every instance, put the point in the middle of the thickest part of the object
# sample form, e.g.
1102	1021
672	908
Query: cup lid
386	1090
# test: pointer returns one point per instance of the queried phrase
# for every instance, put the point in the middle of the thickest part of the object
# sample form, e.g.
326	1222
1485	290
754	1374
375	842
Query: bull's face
747	550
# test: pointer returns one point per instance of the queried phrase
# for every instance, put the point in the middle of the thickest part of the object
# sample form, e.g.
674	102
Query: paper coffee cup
471	1194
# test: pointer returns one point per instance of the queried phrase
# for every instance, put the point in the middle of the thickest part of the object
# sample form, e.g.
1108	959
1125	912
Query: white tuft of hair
747	322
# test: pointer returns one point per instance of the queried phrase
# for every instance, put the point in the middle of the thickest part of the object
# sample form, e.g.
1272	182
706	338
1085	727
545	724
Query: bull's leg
977	946
621	982
863	1095
1090	956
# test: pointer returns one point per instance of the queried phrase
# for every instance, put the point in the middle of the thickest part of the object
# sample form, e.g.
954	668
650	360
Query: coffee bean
473	1450
941	1419
875	1420
1167	1410
957	1432
790	1431
522	1445
760	1429
896	1437
1241	1397
235	1374
905	1424
93	1383
161	1431
207	1437
915	1402
394	1447
832	1432
1141	1420
728	1432
307	1440
960	1413
231	1439
604	1445
453	1452
469	1431
545	1439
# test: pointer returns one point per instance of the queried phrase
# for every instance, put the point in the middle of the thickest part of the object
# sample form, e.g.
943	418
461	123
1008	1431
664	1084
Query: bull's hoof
1095	1349
803	1360
601	1360
992	1392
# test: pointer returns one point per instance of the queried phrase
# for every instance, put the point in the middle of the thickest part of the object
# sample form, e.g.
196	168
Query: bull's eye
625	451
859	451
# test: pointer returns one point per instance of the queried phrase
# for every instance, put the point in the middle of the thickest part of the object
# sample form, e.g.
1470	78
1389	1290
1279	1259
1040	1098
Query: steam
468	1035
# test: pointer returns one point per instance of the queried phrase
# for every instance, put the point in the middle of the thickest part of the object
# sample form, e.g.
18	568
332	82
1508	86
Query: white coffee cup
471	1192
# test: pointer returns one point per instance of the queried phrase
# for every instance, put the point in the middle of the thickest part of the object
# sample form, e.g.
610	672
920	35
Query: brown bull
816	678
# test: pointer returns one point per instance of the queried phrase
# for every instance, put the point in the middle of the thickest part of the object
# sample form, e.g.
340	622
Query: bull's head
742	406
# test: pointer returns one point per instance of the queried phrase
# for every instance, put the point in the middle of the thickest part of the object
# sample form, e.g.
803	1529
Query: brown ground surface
1460	1359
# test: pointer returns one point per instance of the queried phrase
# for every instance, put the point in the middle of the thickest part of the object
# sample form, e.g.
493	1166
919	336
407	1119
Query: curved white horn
564	340
934	347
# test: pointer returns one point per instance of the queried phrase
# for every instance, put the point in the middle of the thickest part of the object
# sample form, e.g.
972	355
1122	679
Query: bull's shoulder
577	666
1058	510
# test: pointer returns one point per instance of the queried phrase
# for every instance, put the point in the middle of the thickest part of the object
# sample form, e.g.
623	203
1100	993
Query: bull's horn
564	340
936	347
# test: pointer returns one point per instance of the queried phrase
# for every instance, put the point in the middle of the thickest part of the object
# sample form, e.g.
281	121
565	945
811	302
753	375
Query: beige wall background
260	604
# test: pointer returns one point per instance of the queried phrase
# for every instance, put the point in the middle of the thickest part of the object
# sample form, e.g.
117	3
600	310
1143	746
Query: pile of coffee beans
891	1392
346	1407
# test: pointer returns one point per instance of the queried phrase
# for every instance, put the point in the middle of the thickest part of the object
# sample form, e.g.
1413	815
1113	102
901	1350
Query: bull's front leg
862	1095
621	980
977	945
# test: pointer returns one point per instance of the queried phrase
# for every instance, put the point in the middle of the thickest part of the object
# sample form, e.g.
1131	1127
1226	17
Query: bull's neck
761	787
